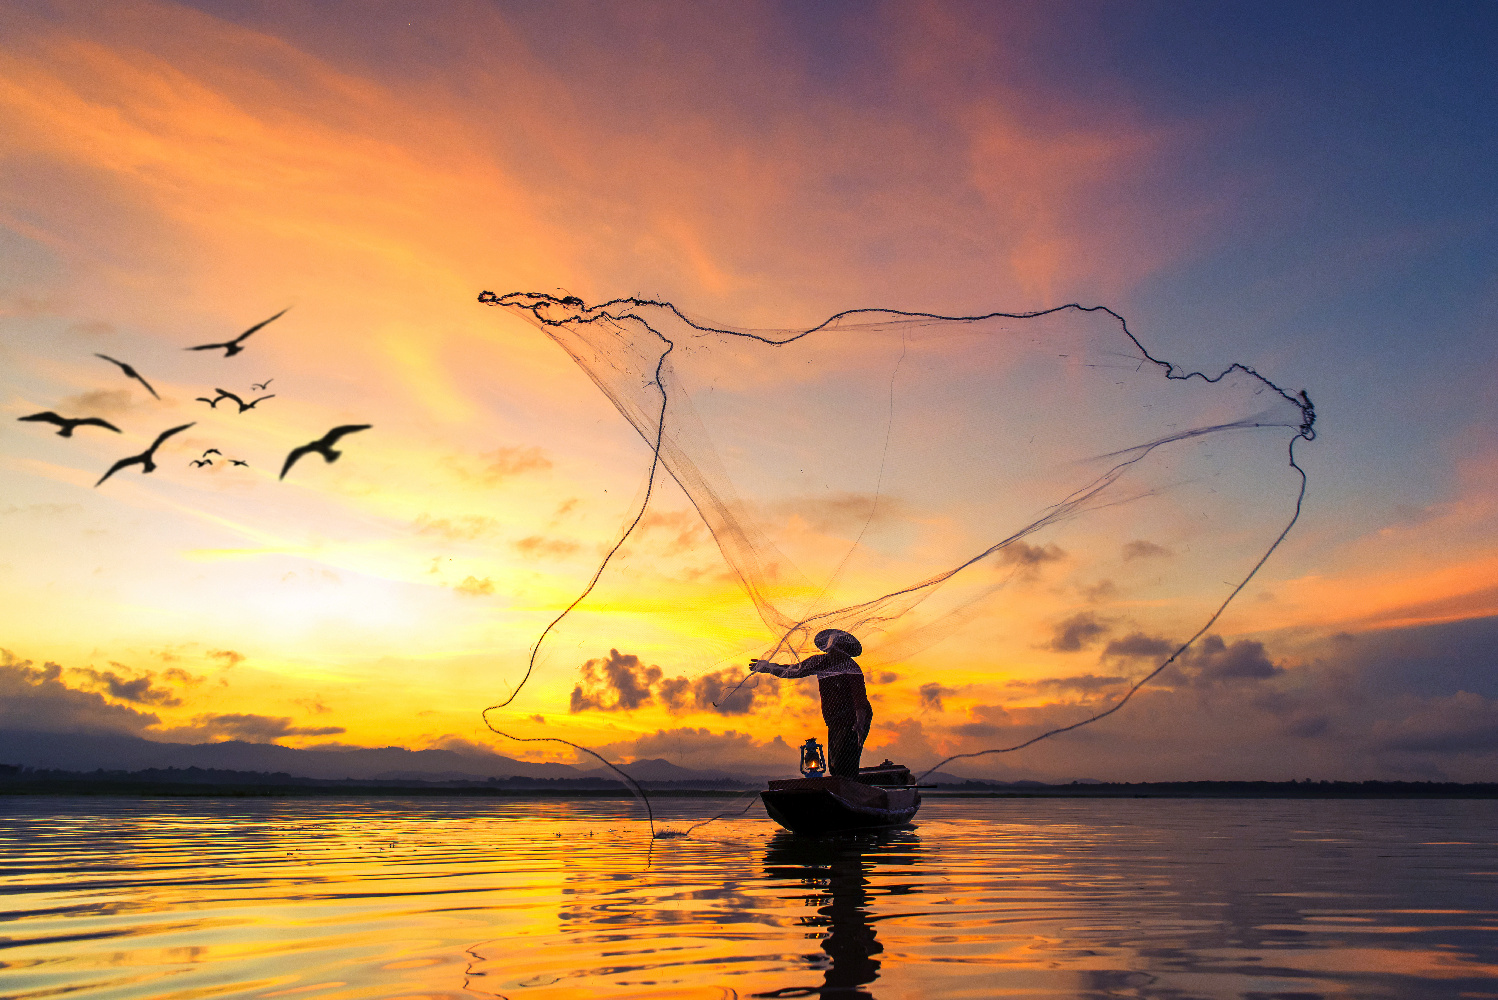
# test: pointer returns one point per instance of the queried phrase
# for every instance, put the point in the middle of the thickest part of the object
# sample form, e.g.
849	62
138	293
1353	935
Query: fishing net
1039	482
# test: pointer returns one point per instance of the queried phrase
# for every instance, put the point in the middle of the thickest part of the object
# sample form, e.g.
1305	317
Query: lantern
813	761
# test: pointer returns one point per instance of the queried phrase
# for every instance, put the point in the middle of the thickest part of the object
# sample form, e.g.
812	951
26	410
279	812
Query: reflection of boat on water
837	871
879	798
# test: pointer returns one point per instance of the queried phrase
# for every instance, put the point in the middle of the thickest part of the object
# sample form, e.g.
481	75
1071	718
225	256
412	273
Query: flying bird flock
147	459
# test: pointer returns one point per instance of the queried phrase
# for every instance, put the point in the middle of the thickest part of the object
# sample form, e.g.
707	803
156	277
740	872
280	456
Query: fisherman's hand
759	666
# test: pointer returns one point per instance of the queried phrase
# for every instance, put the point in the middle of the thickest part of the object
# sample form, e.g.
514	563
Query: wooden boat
881	797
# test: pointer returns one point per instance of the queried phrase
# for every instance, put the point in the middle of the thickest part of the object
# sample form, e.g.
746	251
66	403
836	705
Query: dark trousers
848	714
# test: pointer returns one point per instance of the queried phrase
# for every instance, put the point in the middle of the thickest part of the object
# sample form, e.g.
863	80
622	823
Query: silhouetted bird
198	463
145	457
324	446
235	461
215	400
213	451
258	386
226	394
129	372
231	347
67	425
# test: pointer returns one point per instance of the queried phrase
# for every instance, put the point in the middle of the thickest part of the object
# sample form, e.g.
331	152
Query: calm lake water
985	898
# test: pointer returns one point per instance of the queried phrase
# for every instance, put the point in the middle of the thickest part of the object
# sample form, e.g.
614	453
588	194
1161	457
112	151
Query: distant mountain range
122	752
148	767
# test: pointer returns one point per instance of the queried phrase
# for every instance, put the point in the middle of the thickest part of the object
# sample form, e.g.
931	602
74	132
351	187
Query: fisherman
845	702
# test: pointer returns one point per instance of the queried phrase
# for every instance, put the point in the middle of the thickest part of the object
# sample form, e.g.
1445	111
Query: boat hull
834	805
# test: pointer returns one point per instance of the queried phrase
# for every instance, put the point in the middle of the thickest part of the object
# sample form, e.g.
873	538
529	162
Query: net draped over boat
901	476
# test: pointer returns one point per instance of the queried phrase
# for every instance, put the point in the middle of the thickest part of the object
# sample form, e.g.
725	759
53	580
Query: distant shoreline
196	783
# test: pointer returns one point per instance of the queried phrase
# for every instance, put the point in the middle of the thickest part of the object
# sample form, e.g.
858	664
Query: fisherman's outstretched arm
802	669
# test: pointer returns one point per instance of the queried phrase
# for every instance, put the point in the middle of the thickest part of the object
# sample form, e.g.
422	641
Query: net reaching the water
1038	478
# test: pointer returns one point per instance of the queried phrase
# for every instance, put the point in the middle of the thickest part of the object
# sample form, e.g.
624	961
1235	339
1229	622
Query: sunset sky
1312	192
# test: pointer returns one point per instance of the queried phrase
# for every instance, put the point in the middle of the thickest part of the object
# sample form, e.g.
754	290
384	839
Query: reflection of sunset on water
571	899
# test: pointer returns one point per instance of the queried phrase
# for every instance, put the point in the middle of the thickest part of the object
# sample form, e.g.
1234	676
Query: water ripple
549	900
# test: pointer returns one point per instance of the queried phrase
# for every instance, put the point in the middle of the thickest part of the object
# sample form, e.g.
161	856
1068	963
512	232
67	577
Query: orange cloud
1421	566
191	172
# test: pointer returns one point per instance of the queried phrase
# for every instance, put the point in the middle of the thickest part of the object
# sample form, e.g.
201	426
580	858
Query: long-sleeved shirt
822	664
